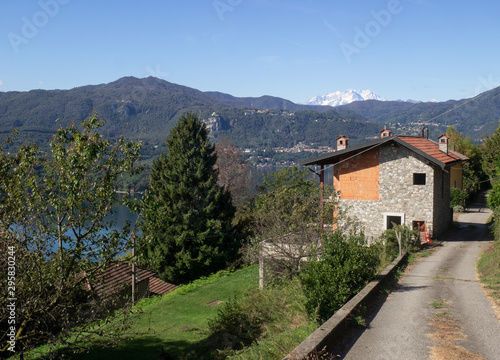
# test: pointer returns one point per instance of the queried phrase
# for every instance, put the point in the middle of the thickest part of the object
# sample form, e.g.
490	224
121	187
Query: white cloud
1	83
40	82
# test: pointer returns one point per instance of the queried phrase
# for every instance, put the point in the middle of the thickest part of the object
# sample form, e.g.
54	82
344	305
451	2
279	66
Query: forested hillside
146	110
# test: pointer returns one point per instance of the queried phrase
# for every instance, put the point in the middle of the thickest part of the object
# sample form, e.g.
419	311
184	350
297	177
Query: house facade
394	180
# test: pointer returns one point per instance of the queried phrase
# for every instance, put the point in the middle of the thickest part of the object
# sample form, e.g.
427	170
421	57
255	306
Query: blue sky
400	49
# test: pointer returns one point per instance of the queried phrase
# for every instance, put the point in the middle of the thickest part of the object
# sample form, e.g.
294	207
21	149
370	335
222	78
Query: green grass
425	253
489	268
438	304
178	321
286	331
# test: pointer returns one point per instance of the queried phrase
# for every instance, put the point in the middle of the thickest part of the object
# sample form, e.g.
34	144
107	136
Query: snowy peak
344	97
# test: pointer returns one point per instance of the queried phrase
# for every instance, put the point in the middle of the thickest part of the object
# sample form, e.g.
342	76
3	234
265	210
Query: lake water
122	214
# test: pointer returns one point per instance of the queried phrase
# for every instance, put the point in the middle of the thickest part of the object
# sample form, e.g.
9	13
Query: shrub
457	197
344	267
494	197
234	326
272	321
409	240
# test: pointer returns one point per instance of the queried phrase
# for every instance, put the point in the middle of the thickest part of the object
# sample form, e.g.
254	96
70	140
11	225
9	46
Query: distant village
288	156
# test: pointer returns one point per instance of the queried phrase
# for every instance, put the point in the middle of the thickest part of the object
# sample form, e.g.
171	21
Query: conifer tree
187	228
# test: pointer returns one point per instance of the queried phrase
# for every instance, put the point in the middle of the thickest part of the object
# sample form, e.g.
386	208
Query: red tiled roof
432	149
159	287
120	274
419	145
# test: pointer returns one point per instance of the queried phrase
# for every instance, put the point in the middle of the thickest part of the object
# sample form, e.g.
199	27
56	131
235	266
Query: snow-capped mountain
344	97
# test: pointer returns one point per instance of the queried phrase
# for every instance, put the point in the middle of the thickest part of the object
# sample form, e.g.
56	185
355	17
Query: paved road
438	311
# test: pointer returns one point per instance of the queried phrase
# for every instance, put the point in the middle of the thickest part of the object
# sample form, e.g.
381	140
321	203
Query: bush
494	197
457	197
234	326
344	268
409	240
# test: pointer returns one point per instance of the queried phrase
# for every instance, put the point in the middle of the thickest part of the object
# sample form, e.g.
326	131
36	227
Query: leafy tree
286	218
490	156
54	211
234	171
344	267
188	226
472	174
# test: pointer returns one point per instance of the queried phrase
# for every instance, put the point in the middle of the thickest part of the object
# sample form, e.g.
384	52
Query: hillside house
394	179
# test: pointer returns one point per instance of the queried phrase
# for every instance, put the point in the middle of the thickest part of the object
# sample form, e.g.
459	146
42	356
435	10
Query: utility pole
133	269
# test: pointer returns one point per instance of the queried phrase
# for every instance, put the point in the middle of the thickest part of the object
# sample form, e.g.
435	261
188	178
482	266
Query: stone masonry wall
443	214
397	194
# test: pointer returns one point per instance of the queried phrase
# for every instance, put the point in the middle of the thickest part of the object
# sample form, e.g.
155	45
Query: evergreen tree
188	226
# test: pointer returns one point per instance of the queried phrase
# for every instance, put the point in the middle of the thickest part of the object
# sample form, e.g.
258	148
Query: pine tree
187	228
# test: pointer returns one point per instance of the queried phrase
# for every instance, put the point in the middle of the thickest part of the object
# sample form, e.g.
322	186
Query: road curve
438	310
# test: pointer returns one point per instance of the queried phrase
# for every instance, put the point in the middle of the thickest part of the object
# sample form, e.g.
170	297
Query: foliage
188	228
490	156
235	326
388	246
472	171
274	318
177	321
494	197
457	197
489	264
54	210
286	217
344	267
234	171
490	153
149	108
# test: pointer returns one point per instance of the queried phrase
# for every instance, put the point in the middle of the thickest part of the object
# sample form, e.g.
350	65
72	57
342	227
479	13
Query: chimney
342	142
443	143
385	133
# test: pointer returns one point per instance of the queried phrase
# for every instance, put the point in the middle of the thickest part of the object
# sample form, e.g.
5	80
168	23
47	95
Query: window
392	220
418	179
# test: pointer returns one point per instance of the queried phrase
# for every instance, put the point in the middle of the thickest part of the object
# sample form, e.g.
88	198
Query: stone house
394	179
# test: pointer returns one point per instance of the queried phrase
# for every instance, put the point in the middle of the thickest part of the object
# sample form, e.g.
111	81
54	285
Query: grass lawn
178	322
489	270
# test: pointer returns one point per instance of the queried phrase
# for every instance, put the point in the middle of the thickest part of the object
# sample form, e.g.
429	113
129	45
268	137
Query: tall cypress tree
187	227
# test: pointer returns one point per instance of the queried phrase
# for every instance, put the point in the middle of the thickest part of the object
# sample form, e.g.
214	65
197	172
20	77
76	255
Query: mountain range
148	108
338	98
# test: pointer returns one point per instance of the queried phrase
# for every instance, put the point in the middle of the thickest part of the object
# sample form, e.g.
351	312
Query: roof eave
327	159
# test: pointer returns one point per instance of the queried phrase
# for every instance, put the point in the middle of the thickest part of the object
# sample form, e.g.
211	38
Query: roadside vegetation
489	263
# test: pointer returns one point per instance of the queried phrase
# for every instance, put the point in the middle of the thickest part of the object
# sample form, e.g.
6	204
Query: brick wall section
358	177
398	195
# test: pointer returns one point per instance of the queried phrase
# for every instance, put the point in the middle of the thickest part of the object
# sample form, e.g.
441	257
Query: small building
394	180
116	280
